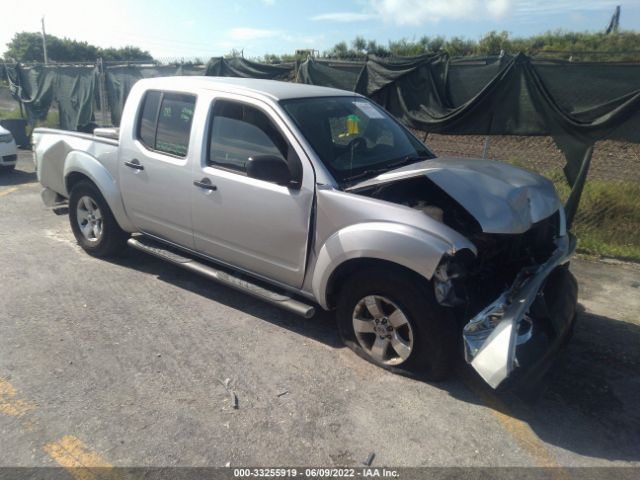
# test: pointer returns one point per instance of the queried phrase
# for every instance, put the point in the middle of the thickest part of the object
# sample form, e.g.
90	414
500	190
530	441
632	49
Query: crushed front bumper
527	323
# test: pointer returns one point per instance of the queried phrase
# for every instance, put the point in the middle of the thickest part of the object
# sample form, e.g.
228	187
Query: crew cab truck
308	196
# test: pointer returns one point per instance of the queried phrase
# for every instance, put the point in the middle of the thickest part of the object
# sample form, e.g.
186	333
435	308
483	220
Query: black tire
112	239
7	168
434	331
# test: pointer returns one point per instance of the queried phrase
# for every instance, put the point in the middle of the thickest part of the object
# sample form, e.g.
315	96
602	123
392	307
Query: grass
608	218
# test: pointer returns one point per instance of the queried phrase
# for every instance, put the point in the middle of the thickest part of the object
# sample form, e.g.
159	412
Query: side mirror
269	168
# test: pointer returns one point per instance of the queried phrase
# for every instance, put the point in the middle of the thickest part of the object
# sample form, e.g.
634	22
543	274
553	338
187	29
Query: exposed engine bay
469	280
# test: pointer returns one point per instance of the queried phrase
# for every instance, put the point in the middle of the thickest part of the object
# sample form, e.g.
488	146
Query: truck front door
253	224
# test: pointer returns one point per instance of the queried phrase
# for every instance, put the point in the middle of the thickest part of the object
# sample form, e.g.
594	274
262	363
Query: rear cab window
165	122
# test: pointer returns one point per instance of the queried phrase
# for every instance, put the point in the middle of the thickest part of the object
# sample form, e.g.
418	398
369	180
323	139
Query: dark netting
576	104
379	73
336	74
467	76
72	87
241	67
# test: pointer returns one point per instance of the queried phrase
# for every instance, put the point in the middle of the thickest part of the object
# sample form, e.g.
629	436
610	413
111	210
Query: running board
285	302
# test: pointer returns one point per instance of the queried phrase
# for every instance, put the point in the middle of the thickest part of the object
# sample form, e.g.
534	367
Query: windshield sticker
368	109
352	125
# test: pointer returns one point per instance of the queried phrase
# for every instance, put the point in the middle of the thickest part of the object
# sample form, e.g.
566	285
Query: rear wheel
93	223
389	317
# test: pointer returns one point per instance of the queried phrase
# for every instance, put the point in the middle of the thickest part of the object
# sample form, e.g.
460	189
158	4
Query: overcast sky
188	28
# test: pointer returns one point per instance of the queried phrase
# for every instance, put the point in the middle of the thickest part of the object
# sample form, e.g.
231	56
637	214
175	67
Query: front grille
10	158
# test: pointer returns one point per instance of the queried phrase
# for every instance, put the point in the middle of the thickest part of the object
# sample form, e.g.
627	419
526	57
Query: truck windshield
353	137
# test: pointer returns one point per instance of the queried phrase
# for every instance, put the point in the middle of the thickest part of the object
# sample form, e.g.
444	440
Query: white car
8	151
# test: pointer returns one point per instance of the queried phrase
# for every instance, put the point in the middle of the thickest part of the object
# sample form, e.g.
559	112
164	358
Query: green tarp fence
120	79
336	74
72	88
575	103
243	68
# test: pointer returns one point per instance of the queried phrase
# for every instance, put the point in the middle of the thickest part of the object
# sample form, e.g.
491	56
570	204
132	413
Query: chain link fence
608	220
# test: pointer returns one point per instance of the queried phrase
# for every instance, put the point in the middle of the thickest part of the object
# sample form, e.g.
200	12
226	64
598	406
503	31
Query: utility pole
44	43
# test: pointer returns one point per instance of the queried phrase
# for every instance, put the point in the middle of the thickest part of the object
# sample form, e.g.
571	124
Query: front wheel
389	317
92	222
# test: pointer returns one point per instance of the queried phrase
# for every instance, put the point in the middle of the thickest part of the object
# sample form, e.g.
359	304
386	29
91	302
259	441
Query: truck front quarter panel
350	226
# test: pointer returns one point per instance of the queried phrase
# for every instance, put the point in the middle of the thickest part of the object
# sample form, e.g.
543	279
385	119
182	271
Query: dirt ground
124	362
612	159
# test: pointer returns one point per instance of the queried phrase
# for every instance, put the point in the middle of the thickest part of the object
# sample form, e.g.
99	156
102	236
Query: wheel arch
371	244
81	166
346	269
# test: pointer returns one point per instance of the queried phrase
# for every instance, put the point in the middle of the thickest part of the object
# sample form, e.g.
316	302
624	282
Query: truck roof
278	90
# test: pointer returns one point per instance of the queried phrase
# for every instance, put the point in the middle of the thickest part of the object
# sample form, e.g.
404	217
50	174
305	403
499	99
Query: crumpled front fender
401	244
491	337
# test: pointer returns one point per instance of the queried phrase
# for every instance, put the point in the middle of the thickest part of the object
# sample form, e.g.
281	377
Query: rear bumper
518	334
8	159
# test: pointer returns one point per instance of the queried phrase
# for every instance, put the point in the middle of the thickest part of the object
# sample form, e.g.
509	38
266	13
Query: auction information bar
404	473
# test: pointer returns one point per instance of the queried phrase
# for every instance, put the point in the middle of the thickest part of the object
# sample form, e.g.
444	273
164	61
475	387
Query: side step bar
285	302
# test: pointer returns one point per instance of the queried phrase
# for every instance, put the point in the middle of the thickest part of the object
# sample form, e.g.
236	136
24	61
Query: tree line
581	46
27	47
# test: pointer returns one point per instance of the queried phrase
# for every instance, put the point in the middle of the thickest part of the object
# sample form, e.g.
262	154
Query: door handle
205	183
135	164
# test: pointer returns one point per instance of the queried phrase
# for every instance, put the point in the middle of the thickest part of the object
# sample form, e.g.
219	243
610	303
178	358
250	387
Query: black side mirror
269	168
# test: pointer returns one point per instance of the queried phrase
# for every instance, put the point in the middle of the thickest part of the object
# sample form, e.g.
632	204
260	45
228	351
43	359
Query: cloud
245	33
548	7
344	17
418	12
498	8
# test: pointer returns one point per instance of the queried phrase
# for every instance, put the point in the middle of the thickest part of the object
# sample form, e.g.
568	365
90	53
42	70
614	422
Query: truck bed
54	149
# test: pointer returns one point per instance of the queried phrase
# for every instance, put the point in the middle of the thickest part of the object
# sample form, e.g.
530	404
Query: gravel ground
127	360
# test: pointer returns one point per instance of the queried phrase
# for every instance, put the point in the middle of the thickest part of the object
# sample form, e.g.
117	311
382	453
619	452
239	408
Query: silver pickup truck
307	196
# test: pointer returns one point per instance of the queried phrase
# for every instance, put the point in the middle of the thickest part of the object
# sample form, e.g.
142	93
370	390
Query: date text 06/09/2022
366	472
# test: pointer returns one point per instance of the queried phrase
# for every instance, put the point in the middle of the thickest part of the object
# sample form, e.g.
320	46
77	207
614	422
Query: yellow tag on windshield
352	125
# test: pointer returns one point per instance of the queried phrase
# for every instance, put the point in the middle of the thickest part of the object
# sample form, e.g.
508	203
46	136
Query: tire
431	331
7	168
92	222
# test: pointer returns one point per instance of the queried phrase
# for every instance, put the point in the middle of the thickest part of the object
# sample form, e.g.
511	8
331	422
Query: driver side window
239	131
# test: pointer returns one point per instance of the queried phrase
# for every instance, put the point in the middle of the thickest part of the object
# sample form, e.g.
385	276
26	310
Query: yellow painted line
80	461
8	191
10	403
520	431
69	451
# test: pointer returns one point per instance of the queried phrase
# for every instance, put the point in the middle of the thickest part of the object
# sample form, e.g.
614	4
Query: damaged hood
501	197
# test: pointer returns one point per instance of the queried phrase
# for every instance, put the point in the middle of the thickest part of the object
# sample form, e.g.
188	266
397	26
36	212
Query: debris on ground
369	459
232	394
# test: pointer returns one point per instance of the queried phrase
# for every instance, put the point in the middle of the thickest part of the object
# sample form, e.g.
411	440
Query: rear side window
165	123
240	131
